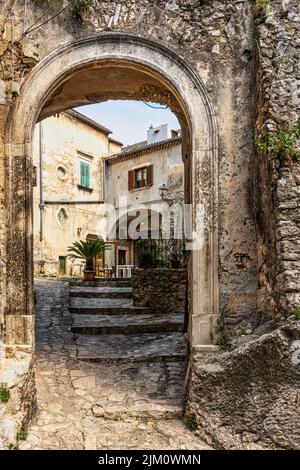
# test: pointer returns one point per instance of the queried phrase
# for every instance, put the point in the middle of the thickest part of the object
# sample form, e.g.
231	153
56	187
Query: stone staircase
137	353
107	327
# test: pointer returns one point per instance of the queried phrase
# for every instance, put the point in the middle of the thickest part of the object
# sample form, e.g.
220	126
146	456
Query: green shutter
85	174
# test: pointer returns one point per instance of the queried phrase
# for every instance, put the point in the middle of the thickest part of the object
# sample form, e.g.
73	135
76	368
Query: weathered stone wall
248	398
17	376
278	78
162	288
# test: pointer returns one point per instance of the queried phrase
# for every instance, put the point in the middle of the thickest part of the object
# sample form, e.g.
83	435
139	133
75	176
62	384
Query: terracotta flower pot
89	275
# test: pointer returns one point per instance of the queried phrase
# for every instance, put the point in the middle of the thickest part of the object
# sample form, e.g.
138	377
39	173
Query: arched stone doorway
92	70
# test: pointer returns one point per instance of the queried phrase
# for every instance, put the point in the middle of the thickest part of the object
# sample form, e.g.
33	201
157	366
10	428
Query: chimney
157	134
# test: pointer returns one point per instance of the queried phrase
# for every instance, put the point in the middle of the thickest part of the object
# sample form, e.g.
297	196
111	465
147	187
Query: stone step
92	306
100	303
113	310
143	410
101	292
131	348
102	282
126	324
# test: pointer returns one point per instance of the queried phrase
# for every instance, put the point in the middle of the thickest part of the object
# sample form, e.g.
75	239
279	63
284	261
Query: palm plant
87	250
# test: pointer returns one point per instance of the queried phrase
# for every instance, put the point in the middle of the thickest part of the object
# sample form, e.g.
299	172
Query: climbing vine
4	393
223	340
281	144
296	313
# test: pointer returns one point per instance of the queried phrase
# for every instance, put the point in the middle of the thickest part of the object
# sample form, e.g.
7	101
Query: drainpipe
105	180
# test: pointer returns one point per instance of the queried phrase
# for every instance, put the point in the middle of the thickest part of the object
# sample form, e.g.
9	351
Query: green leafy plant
81	6
87	250
281	144
296	313
223	340
4	393
262	3
191	422
22	434
259	6
13	446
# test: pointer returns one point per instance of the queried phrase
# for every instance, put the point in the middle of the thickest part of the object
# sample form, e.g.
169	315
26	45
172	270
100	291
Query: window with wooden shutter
85	178
140	177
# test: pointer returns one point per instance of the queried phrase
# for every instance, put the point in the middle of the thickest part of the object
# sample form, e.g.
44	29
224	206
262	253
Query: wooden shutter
131	180
85	174
82	174
149	175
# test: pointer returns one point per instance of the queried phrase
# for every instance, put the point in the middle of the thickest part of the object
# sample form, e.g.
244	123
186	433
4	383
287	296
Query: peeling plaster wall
167	164
73	141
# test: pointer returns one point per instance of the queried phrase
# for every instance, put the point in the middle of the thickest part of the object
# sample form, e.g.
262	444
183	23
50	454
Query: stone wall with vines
278	152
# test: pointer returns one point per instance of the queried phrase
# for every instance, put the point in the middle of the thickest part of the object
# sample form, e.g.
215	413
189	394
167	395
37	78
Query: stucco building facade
135	178
69	152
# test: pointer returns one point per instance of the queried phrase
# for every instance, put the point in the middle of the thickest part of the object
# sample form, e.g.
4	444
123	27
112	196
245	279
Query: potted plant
87	250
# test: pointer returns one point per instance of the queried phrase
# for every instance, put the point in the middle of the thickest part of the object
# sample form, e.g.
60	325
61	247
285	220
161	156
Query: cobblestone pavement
99	406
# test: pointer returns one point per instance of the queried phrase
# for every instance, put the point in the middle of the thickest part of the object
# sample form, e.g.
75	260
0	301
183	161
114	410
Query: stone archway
168	79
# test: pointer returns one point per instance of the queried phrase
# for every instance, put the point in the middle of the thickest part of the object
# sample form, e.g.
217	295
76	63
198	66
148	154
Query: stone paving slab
83	405
129	434
112	324
143	347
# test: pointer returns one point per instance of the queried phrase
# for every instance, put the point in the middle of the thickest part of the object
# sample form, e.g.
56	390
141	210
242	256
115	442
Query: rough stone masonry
246	54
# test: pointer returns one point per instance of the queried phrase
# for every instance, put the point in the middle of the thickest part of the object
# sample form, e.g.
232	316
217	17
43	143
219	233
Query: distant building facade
136	176
69	159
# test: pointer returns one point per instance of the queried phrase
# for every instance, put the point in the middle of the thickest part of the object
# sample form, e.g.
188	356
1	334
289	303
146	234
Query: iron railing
159	253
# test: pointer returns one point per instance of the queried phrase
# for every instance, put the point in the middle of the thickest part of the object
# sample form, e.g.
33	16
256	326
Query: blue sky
129	120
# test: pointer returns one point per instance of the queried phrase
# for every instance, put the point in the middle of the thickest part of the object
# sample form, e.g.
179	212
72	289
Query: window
140	177
61	172
85	174
62	216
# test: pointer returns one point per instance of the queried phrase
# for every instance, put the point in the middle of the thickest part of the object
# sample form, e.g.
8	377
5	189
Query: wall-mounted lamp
79	230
